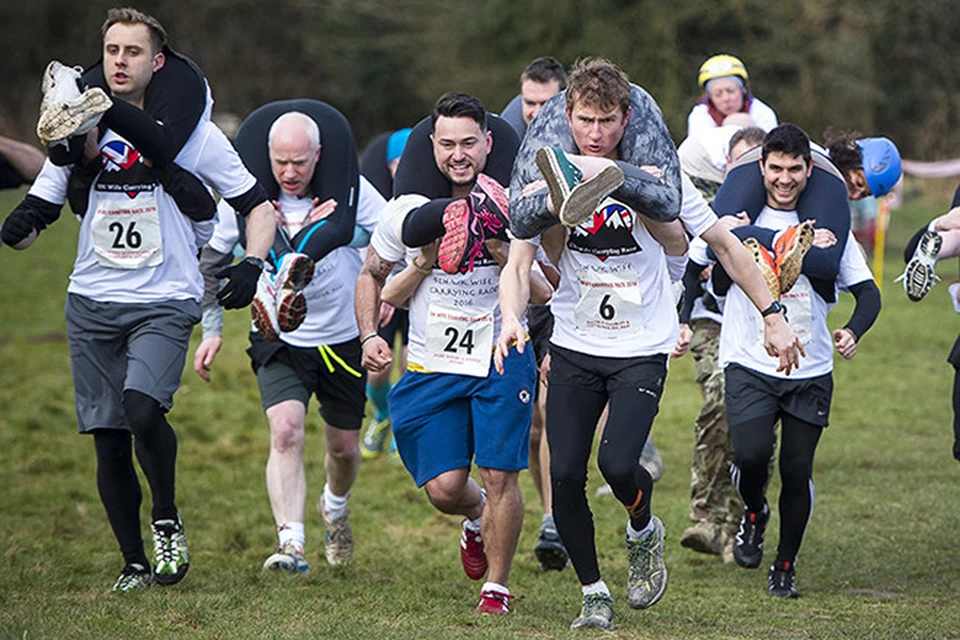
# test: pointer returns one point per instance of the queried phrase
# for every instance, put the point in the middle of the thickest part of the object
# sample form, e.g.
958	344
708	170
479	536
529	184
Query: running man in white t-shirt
321	356
757	394
616	324
450	409
134	296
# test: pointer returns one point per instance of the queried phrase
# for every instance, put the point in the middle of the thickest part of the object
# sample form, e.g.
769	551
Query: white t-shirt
741	337
700	119
134	245
440	295
615	298
330	316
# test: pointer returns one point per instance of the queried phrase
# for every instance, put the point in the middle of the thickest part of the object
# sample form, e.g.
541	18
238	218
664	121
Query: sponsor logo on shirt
608	233
123	170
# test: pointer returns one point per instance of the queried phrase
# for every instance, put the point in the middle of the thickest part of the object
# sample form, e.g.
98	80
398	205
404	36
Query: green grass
879	560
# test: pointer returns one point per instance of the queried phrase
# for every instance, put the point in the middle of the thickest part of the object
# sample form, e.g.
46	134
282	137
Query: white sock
633	534
494	586
473	526
291	532
596	587
334	507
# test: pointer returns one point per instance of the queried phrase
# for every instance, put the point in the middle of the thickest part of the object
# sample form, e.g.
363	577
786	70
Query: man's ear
158	61
626	117
489	142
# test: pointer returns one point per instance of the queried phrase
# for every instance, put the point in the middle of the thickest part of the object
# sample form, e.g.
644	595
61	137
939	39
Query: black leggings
753	445
572	415
156	449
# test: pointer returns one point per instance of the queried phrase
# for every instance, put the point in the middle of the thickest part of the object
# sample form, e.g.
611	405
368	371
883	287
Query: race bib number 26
126	234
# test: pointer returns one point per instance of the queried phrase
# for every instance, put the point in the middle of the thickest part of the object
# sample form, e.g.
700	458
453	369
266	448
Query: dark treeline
879	66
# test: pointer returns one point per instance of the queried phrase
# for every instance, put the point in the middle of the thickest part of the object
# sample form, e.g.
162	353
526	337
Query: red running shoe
494	602
472	555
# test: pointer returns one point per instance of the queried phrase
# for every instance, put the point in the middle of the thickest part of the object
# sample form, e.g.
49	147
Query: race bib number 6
126	233
609	306
458	341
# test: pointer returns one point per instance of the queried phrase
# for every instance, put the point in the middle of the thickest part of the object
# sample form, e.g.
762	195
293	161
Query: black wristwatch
775	307
255	261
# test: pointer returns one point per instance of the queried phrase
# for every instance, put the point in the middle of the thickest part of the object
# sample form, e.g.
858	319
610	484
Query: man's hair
129	15
753	136
597	82
307	124
845	153
459	105
788	139
543	70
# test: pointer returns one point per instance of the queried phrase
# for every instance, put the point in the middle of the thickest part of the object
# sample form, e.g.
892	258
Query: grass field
880	557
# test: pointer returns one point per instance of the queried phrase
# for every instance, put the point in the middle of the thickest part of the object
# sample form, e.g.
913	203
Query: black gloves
16	227
32	214
242	283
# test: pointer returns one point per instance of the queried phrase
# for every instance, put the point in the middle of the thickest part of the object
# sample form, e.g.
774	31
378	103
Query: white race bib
458	340
609	306
798	309
126	233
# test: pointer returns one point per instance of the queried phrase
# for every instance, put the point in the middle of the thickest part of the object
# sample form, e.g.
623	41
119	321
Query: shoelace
503	598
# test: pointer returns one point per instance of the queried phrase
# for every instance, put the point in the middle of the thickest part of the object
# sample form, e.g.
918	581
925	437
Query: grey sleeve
212	261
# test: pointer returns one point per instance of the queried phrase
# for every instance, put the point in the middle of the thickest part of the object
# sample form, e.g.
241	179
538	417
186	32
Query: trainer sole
453	245
587	196
66	119
792	261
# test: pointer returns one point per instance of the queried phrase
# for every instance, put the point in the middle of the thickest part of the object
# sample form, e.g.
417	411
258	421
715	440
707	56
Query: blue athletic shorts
441	421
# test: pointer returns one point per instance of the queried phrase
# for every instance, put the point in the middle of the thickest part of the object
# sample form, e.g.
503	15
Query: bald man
321	356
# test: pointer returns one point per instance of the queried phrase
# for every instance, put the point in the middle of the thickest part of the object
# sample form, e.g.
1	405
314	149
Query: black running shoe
782	580
748	545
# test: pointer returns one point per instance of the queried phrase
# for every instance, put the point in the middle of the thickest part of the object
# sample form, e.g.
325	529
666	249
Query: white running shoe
919	275
288	558
65	111
263	309
293	276
338	537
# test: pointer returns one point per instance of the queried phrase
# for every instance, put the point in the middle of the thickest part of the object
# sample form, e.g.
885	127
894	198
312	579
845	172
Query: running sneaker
289	558
170	552
596	612
338	538
767	265
651	461
782	580
133	577
704	537
463	237
66	111
472	554
376	439
748	545
789	249
494	602
491	206
919	276
293	275
263	309
550	552
647	577
574	199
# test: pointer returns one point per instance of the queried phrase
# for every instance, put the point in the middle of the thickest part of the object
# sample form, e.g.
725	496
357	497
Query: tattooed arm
376	352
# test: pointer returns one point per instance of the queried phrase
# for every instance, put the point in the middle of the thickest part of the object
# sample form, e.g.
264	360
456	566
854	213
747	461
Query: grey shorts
285	372
116	346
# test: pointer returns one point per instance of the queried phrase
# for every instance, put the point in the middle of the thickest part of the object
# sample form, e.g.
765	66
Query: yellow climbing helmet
719	66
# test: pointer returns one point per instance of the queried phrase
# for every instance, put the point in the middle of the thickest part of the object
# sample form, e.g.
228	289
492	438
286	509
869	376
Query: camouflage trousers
712	494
